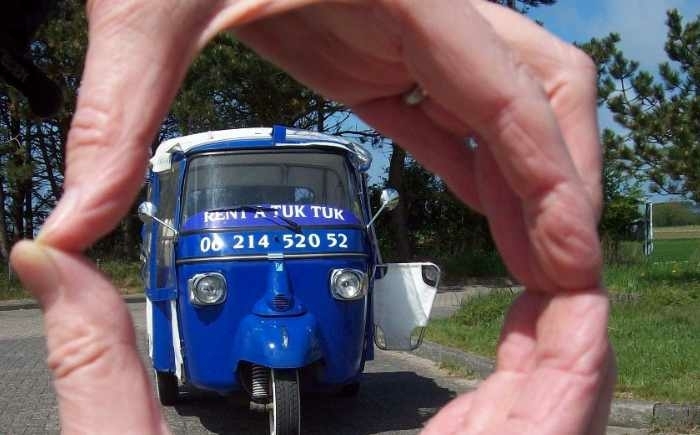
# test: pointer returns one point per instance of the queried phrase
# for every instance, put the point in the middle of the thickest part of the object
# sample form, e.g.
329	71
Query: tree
671	214
523	6
659	115
230	86
622	199
31	151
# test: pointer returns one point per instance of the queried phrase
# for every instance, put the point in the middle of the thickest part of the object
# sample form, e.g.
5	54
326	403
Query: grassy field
685	232
124	275
669	250
654	325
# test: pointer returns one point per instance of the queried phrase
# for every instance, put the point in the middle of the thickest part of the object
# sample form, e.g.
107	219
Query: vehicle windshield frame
353	189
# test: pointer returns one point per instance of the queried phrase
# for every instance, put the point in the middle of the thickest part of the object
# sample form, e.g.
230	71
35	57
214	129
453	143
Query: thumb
100	382
137	56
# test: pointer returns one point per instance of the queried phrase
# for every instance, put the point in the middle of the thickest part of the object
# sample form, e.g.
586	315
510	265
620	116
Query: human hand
528	98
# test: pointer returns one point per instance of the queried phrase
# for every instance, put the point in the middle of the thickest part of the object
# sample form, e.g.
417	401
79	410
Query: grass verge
455	369
654	328
124	275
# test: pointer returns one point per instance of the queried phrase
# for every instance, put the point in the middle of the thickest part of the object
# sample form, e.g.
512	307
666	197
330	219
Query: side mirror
147	213
389	200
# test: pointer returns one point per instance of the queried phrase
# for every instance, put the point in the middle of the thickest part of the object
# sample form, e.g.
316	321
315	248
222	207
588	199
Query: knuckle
582	64
88	341
82	348
90	123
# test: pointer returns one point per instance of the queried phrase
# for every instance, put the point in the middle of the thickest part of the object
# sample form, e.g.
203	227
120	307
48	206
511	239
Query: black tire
350	390
166	388
285	412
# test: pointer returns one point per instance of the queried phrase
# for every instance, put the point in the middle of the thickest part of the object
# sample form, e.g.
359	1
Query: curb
626	413
31	304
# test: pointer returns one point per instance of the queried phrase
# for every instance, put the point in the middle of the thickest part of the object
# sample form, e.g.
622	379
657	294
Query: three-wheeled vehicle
262	269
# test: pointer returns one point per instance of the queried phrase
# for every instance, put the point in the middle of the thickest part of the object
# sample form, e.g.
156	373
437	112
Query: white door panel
402	299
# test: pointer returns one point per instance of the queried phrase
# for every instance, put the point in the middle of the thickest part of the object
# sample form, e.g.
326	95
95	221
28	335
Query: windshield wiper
255	208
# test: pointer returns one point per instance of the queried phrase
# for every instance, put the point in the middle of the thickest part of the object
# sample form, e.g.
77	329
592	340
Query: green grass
458	370
676	250
475	326
655	334
665	250
124	275
654	328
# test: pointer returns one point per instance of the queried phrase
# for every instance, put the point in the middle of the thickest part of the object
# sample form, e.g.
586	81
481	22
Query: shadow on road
387	402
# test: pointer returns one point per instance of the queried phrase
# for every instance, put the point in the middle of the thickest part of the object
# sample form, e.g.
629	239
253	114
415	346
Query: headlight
207	289
348	284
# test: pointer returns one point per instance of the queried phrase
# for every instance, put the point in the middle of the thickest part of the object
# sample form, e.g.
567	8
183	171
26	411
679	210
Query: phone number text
217	243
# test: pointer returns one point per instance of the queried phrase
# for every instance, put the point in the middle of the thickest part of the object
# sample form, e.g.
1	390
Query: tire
285	412
350	390
166	388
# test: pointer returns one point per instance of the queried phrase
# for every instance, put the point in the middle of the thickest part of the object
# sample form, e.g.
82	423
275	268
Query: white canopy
161	160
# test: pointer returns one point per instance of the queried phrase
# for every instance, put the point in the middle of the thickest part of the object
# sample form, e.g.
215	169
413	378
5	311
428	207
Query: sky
640	23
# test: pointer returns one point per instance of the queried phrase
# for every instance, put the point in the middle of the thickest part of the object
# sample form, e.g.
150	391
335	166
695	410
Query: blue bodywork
332	336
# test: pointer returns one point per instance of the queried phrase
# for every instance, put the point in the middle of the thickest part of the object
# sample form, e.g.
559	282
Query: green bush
672	214
10	287
472	264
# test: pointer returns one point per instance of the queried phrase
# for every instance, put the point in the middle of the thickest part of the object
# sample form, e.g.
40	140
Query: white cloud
641	25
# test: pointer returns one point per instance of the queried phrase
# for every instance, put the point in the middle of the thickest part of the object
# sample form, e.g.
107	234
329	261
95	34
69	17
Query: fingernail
37	271
67	205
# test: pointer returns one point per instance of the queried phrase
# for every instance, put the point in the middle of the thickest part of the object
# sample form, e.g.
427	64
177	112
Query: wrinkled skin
528	99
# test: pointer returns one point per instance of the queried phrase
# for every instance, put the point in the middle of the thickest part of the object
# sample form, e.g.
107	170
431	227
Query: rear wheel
285	410
166	388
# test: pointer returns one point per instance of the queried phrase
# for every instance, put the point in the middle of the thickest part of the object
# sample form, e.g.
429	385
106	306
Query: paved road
399	393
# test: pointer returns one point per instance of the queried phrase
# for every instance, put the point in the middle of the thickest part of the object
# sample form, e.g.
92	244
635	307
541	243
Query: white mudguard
403	296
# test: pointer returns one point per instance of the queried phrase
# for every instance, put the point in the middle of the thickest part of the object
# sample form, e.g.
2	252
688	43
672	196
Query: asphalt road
399	393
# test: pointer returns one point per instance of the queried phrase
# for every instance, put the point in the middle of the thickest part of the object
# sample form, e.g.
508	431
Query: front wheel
166	387
285	412
350	390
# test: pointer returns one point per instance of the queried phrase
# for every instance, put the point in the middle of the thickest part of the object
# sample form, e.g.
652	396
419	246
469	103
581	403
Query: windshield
221	181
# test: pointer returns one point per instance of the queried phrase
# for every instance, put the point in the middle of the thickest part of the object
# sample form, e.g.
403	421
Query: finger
509	109
452	418
569	79
438	150
599	421
506	221
100	382
571	358
135	61
515	360
350	82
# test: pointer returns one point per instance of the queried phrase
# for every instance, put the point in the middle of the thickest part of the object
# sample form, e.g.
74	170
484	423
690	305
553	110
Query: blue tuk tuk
262	269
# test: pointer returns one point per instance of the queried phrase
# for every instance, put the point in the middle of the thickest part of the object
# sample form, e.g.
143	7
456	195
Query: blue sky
640	23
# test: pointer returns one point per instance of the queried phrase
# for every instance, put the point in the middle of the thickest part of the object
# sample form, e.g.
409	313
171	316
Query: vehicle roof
240	138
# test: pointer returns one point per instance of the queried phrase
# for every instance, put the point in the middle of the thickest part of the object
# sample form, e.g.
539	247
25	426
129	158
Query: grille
281	303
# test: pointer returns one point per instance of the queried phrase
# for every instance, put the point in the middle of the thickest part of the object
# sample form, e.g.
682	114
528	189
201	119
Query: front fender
278	342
